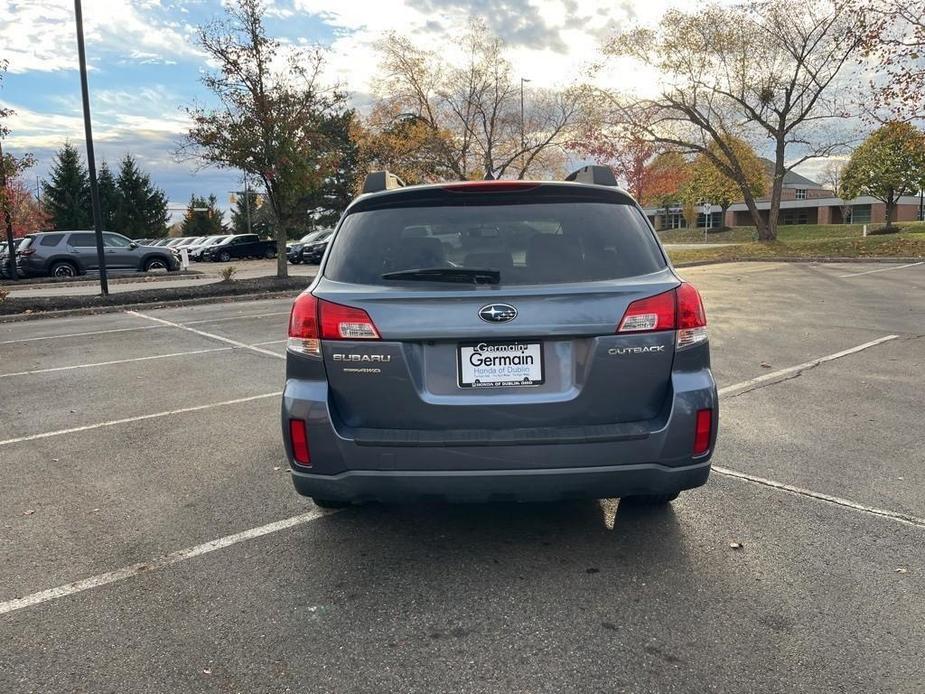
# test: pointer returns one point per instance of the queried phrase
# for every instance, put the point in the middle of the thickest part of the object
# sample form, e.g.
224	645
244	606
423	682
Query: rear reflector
650	314
298	435
314	319
702	431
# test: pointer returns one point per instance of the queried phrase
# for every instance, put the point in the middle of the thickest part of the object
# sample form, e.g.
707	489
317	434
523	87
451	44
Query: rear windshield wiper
447	274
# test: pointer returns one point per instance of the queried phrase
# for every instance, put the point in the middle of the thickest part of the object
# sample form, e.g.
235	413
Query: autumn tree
477	104
894	38
765	71
887	165
666	177
626	155
271	121
202	217
10	167
709	183
66	193
27	213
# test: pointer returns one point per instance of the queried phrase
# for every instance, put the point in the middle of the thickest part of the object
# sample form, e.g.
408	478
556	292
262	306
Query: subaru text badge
497	313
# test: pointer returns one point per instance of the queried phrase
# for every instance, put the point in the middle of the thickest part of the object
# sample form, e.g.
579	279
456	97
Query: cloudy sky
145	65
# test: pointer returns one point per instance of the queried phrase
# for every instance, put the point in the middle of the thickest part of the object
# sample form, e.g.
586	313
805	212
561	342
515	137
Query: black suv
240	246
72	253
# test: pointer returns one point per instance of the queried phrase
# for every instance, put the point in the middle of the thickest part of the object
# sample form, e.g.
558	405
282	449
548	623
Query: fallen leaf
207	671
592	570
765	365
736	545
276	467
28	512
902	570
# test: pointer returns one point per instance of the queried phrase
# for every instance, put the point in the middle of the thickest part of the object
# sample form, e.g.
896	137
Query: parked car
5	255
313	251
72	253
196	250
497	340
240	246
295	251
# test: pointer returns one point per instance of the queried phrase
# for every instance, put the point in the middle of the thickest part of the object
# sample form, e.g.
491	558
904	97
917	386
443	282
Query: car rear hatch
477	315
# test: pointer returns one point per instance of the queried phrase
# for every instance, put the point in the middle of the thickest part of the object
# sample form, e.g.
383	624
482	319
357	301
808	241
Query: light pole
523	136
91	160
707	213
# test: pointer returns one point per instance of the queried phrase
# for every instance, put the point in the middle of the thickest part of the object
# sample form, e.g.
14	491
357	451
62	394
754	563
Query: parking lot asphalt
150	539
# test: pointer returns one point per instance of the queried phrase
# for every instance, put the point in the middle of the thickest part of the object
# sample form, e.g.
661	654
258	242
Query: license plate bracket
513	364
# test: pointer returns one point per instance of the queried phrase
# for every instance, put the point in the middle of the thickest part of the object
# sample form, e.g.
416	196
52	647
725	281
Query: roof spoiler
598	175
377	181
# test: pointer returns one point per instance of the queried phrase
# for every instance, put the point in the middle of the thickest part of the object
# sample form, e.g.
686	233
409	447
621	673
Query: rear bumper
502	485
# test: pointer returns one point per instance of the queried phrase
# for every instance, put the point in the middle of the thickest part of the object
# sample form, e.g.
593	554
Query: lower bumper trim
501	485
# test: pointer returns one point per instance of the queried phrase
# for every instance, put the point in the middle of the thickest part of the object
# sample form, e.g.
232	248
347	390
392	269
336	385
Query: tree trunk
890	210
722	221
776	191
752	206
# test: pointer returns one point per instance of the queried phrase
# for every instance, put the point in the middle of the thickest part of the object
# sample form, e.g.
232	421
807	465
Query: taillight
346	323
650	314
678	309
702	430
298	435
692	319
313	320
304	335
26	251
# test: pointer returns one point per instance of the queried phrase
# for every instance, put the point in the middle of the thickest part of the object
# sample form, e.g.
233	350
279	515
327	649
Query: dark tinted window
529	243
82	240
50	239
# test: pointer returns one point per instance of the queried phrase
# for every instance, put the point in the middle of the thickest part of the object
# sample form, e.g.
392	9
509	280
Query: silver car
497	340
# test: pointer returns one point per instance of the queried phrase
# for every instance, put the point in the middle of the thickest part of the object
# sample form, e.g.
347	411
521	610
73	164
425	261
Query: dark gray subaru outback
497	340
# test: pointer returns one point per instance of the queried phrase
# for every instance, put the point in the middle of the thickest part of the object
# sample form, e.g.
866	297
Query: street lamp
523	137
707	213
91	160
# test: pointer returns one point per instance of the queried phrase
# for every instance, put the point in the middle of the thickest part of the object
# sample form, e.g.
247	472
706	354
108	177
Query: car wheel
63	269
224	256
156	264
269	253
650	499
294	261
330	503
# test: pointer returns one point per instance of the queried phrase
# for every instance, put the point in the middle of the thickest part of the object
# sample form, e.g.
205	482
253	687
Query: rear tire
269	253
650	499
224	256
330	503
63	269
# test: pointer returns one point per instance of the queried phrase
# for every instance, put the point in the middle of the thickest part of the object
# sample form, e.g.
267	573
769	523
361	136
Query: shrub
228	273
3	294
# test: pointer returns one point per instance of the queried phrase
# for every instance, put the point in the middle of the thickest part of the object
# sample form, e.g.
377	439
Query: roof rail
377	181
598	175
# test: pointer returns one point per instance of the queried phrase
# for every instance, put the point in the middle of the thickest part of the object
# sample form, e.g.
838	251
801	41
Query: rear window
82	240
528	243
51	239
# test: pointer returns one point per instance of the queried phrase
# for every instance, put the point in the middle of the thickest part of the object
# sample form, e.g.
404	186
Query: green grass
786	233
908	244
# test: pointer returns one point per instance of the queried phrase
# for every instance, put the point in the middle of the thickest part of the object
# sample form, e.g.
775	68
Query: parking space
149	466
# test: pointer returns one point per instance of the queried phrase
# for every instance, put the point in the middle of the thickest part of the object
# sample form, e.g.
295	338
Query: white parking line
139	418
91	332
227	318
213	336
837	500
883	269
159	563
783	374
116	361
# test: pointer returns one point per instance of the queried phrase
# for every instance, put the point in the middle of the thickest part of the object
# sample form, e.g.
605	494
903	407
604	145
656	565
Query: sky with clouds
145	65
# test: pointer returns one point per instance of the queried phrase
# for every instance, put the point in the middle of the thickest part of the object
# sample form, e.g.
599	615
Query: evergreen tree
203	218
109	196
141	210
67	195
239	213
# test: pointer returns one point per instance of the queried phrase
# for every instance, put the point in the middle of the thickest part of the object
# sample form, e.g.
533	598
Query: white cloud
44	38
